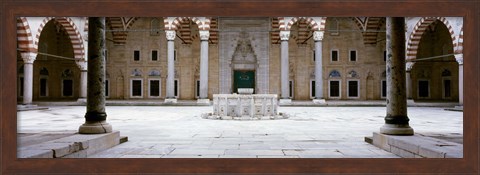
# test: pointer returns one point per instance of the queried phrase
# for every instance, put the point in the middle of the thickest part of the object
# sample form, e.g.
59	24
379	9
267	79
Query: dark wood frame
16	8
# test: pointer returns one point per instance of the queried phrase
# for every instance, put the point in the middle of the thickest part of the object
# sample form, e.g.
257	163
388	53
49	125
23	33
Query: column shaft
409	85
460	84
396	120
204	69
318	70
171	70
284	69
27	83
96	116
28	59
83	84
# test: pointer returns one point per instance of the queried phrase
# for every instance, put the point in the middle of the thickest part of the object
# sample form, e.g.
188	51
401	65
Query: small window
175	55
136	55
334	88
107	88
290	88
447	88
136	88
353	88
313	55
197	89
43	87
154	55
154	88
333	26
312	89
353	55
175	89
384	89
106	56
20	89
384	55
334	55
155	27
423	89
67	90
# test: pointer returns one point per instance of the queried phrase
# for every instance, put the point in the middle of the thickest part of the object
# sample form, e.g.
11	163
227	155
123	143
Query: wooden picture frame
10	9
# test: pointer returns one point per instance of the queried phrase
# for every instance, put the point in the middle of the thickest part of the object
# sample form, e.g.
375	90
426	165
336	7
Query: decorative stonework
170	34
204	35
28	57
353	74
459	58
409	66
284	35
82	65
318	35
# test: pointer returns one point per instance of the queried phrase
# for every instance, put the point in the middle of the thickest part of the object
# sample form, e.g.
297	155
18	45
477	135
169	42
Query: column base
170	100
393	129
319	101
82	100
285	101
98	127
203	101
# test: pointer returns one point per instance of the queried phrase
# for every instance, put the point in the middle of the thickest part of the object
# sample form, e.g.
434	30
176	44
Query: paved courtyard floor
180	132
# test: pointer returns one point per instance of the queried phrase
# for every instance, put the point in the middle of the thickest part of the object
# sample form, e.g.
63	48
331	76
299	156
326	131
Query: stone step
418	146
74	146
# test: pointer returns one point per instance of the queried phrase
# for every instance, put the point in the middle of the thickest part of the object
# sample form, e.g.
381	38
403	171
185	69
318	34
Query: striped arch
24	36
119	27
285	24
419	29
72	31
310	21
369	27
459	45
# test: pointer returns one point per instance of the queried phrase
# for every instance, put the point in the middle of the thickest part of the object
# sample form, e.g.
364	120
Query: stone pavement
180	132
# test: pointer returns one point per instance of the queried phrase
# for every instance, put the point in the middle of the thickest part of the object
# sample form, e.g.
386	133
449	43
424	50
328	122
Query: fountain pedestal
245	107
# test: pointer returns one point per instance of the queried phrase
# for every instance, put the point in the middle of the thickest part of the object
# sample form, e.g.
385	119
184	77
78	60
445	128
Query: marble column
96	116
28	59
408	76
459	58
284	63
396	120
170	98
318	37
204	35
82	65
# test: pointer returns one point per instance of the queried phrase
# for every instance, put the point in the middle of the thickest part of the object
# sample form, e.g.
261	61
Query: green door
243	79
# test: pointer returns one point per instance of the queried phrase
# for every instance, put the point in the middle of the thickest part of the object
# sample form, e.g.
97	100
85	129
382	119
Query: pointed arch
459	45
419	29
72	32
119	27
24	36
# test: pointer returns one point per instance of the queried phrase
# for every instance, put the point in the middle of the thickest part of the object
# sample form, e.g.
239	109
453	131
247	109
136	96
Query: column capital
28	57
409	66
204	35
170	34
284	35
318	35
459	58
82	65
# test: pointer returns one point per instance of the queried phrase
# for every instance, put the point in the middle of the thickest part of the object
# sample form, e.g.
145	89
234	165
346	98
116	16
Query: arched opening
55	56
435	73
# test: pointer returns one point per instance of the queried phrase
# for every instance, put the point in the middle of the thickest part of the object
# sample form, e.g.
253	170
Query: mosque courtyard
181	132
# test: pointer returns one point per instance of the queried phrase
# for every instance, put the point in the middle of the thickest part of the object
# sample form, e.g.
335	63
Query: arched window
155	27
334	74
333	26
